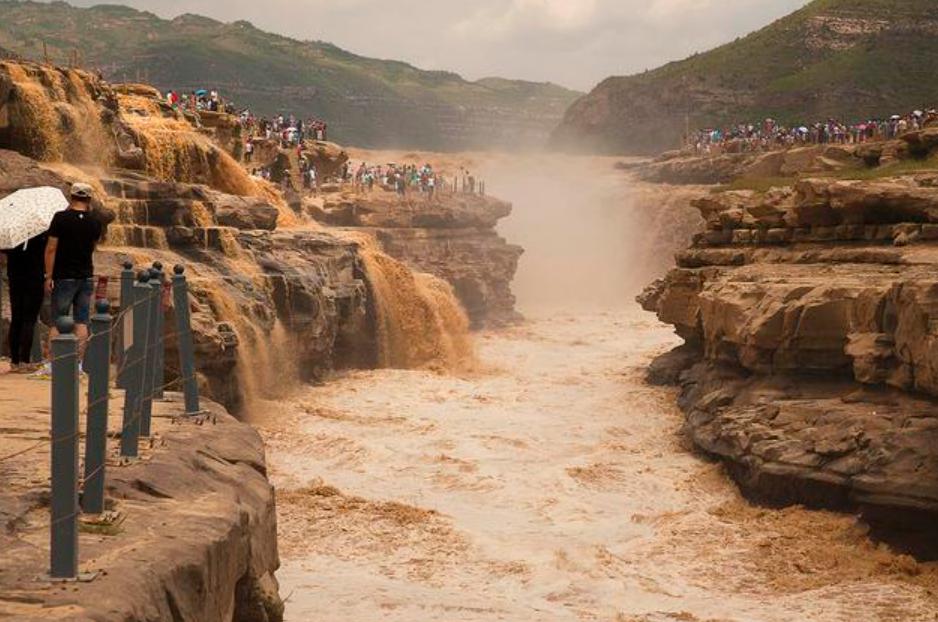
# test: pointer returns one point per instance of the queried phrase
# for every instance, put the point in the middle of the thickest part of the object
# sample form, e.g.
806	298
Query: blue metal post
135	366
63	551
126	305
190	385
159	379
149	362
98	362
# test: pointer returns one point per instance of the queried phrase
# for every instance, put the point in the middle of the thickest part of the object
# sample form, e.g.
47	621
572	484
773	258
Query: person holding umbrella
25	216
69	267
24	274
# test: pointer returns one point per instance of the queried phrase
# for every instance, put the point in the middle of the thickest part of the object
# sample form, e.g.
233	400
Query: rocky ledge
811	357
208	482
452	237
685	167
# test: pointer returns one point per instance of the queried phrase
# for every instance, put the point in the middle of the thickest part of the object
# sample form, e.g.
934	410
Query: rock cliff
684	167
829	59
452	237
809	317
273	289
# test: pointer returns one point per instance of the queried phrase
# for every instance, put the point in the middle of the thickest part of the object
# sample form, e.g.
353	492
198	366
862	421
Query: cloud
572	42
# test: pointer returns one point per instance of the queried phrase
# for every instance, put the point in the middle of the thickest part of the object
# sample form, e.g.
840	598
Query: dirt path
554	485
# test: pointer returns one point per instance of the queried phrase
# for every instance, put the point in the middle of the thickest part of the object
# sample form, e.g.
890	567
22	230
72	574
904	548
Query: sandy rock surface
197	539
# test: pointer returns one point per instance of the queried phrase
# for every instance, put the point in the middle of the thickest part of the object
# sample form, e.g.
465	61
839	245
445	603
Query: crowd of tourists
292	132
289	129
407	180
401	179
198	101
770	134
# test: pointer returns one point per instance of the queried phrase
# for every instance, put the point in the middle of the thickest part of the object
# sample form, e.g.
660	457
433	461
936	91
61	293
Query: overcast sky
575	43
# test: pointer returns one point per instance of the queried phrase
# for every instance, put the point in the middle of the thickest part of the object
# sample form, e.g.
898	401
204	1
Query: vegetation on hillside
368	102
848	59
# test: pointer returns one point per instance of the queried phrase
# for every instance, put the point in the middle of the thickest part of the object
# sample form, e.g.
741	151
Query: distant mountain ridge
848	59
367	102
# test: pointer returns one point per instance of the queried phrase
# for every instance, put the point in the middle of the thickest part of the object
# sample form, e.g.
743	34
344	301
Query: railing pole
159	353
127	303
136	364
63	551
149	359
190	385
98	360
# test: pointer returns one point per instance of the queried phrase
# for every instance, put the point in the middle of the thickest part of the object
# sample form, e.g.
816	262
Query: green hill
367	102
848	59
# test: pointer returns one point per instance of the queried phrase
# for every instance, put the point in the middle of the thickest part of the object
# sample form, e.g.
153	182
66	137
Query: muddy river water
551	482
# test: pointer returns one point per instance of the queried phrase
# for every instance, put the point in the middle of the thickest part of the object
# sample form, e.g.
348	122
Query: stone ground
551	484
197	516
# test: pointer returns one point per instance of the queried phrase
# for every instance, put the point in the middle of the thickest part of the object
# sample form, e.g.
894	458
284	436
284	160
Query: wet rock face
820	441
812	312
17	171
245	277
478	263
453	238
247	280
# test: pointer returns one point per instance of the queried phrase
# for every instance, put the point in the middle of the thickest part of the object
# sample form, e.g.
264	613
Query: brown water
419	323
554	485
56	113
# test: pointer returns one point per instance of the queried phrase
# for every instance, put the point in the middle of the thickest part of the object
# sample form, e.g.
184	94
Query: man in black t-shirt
73	236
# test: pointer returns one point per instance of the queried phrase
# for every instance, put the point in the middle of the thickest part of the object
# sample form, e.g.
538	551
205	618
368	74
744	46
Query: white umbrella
27	213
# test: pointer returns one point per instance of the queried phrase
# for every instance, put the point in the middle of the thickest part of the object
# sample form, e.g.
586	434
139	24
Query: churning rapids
550	482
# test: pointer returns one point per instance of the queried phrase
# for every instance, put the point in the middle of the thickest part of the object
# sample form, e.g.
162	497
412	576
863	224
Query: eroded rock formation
452	237
272	288
809	317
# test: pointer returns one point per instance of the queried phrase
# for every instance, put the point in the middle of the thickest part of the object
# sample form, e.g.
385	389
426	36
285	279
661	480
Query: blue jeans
72	297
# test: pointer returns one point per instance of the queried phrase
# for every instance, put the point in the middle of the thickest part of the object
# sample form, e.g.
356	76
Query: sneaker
44	372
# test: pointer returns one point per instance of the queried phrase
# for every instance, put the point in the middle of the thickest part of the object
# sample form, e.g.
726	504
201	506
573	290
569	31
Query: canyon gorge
455	410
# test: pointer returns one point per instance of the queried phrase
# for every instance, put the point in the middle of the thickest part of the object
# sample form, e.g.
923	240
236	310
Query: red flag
100	292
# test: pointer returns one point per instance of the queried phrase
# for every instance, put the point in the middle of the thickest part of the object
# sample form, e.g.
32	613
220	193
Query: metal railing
137	336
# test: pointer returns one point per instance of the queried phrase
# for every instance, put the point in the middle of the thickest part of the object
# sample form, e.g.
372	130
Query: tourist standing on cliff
24	272
69	266
312	177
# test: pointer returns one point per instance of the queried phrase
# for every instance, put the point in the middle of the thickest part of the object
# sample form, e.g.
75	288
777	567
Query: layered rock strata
810	363
272	289
452	237
254	287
